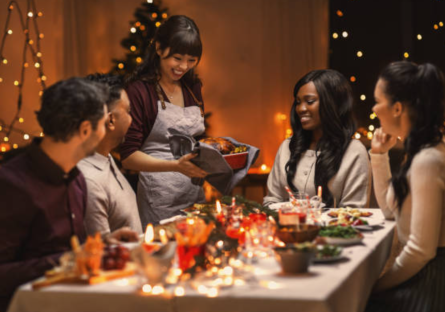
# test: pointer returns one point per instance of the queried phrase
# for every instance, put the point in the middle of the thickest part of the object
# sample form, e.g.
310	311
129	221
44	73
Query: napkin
220	175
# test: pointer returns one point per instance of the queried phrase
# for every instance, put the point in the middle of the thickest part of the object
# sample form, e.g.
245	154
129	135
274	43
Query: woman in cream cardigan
410	106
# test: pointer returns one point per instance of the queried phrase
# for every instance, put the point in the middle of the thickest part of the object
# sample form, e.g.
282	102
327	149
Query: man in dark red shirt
42	193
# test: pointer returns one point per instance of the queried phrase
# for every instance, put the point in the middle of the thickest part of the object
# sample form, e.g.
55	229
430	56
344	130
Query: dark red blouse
144	110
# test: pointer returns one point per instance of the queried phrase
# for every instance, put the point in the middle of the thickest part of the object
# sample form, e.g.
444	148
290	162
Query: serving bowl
294	260
292	234
236	161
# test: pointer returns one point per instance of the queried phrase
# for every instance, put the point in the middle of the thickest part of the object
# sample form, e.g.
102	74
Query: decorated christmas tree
148	17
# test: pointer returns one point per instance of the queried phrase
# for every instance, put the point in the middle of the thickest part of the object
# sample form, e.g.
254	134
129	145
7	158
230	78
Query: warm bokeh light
359	53
357	135
149	234
362	97
406	55
352	79
335	35
339	13
371	127
419	37
372	116
120	65
436	27
345	34
132	30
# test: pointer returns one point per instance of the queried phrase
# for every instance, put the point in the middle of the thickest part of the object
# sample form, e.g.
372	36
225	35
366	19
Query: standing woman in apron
165	95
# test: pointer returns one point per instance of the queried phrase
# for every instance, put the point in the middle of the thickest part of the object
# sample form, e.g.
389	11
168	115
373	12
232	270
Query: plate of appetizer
340	235
353	212
328	253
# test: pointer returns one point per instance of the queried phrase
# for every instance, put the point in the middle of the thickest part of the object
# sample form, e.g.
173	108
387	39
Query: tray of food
340	235
235	156
353	212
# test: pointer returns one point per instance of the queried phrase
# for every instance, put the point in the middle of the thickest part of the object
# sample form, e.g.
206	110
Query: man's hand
124	234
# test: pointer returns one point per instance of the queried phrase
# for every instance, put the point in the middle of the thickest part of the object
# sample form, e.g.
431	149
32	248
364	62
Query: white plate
371	223
328	259
343	241
277	206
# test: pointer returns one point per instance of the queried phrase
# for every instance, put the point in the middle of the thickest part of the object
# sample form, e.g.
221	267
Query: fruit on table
115	257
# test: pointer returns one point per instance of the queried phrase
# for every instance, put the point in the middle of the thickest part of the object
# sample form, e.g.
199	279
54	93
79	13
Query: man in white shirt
111	200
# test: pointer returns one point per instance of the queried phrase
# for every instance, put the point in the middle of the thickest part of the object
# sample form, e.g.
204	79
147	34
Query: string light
441	24
164	15
372	116
357	135
436	27
1	80
44	78
16	83
26	136
133	48
352	79
149	1
359	53
39	54
137	24
142	28
15	146
371	128
362	97
40	14
5	61
30	14
158	24
31	41
41	36
139	59
339	13
406	55
6	139
345	34
419	37
133	30
10	32
120	66
21	120
37	65
154	15
335	35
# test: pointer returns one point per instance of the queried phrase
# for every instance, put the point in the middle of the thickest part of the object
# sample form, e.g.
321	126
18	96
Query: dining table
343	285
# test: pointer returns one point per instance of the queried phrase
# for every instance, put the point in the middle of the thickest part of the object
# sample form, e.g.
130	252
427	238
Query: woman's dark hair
181	35
420	89
67	103
335	109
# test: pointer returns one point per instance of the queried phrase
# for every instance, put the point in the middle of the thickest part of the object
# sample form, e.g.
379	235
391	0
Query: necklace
170	94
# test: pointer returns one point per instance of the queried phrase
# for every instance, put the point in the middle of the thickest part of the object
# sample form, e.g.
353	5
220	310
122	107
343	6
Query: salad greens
338	231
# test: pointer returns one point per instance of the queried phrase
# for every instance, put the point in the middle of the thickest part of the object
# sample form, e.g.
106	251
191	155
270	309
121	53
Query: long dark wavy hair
181	35
335	109
420	89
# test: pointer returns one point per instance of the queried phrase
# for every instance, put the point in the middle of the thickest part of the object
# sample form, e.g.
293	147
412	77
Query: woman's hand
185	166
382	142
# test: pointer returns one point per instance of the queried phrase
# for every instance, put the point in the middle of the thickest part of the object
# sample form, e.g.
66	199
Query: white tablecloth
343	286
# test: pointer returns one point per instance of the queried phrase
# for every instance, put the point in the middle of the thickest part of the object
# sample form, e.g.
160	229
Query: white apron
162	195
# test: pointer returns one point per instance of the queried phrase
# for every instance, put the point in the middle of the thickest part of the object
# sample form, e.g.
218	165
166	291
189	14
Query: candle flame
163	236
149	234
218	207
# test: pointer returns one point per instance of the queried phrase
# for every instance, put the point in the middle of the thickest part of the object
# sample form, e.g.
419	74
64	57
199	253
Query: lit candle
219	214
319	192
163	236
149	236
